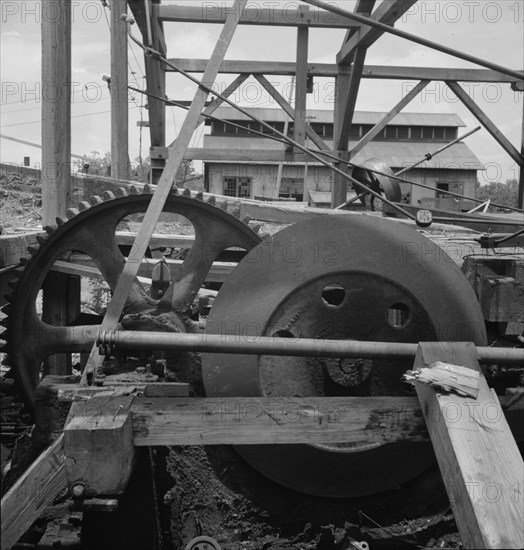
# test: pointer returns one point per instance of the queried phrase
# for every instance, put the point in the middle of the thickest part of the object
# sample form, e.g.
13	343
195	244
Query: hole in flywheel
398	315
333	294
283	334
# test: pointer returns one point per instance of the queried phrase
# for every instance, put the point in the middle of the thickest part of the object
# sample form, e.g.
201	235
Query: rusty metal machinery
350	278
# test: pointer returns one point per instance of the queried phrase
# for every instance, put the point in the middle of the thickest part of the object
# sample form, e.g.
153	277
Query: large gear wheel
91	231
338	277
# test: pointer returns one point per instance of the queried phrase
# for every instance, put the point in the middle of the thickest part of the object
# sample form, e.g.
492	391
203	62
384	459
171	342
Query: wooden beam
350	98
362	7
477	112
98	444
289	16
380	72
36	489
299	128
379	126
259	420
119	105
176	155
56	109
212	106
387	13
276	95
479	460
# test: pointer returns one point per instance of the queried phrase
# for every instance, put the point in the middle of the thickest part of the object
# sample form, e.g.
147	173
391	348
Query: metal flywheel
338	277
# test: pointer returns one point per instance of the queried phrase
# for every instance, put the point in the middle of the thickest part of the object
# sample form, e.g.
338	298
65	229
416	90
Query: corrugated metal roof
360	117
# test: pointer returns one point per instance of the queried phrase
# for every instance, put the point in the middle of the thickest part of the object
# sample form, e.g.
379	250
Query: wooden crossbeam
176	155
379	126
479	114
311	134
36	489
214	12
381	72
479	460
387	13
299	128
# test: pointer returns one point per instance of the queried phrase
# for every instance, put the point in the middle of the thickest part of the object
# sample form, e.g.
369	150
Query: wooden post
479	460
340	184
56	154
56	109
119	106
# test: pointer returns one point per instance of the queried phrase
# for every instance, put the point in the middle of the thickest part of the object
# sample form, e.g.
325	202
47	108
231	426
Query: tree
95	163
501	193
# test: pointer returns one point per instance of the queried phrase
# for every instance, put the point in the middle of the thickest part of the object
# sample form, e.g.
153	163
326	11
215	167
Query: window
442	187
235	186
451	133
439	133
354	130
292	188
402	132
427	132
390	132
416	132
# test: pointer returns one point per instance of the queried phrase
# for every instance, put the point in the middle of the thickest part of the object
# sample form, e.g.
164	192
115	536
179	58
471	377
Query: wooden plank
477	112
217	274
118	90
23	504
379	126
56	109
214	12
299	117
387	13
245	155
254	420
98	444
127	277
381	72
479	460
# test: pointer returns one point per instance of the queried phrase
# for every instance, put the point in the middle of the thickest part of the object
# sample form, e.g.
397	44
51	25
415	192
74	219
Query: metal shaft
299	347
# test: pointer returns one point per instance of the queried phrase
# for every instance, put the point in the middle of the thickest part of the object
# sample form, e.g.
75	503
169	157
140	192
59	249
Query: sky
487	29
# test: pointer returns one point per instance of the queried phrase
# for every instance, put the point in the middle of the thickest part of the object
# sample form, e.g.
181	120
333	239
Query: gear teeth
72	212
33	250
7	310
60	221
12	284
199	196
186	192
223	205
246	220
211	200
96	199
42	239
147	189
133	190
236	212
121	192
256	228
50	230
83	206
8	297
108	196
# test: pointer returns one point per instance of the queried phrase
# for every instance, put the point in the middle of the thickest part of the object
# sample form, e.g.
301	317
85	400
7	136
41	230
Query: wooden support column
479	460
56	109
119	104
56	157
340	184
520	201
388	118
477	112
299	132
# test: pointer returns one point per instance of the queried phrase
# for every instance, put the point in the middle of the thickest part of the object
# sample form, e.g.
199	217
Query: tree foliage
501	193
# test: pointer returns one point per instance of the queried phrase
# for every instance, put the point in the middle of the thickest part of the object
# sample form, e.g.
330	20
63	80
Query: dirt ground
211	491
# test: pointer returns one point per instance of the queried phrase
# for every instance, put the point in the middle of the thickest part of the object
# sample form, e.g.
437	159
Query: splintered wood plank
32	493
258	420
479	460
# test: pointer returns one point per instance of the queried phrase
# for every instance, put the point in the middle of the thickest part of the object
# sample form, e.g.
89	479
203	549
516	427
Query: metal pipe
429	156
298	347
413	38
